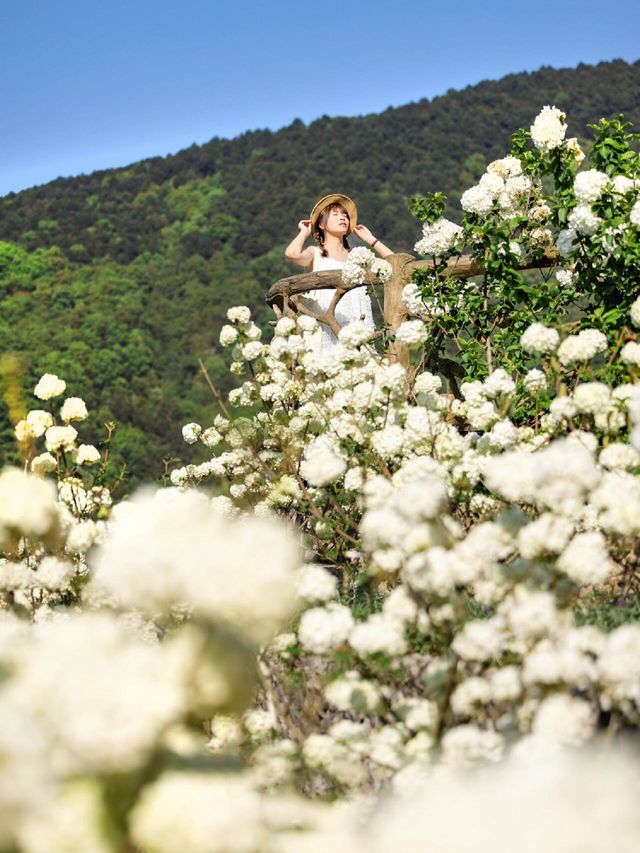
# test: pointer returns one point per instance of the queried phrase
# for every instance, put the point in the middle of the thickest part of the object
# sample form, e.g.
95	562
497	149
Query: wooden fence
283	296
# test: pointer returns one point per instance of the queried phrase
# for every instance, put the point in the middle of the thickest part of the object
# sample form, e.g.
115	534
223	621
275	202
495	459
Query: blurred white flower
49	386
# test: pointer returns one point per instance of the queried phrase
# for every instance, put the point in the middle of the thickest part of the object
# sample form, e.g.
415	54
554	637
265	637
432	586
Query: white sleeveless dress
354	305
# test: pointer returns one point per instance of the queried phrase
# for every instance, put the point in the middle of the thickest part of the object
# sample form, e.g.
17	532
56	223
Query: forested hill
249	192
119	280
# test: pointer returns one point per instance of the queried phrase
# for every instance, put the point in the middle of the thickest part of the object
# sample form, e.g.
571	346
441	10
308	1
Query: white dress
354	305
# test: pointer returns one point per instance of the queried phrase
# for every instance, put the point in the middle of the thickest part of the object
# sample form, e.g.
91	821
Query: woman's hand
364	234
304	226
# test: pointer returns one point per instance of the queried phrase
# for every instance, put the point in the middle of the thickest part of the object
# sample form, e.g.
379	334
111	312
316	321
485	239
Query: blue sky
90	85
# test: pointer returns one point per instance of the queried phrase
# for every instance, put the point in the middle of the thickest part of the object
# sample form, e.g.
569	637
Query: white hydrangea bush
115	651
547	202
53	511
379	594
450	544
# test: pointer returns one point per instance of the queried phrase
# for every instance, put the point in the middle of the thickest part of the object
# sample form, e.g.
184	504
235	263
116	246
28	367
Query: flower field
366	615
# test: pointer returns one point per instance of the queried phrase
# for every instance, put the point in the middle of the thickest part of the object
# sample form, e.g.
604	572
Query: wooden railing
283	296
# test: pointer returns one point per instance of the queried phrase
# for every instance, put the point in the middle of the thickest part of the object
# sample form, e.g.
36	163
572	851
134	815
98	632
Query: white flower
564	277
39	421
355	334
27	503
549	128
479	640
323	462
502	435
630	353
438	237
467	746
400	605
581	347
24	431
259	722
252	350
315	584
191	432
477	200
324	629
239	314
634	216
104	711
621	184
619	455
548	534
353	479
73	409
381	269
565	719
60	438
518	187
505	684
497	383
583	220
228	336
556	477
563	407
159	556
306	323
492	183
470	694
589	185
592	397
380	633
352	692
45	463
414	303
572	147
531	614
335	757
427	383
619	665
389	441
199	813
539	339
505	167
86	454
535	381
49	386
586	559
285	326
210	437
412	333
635	312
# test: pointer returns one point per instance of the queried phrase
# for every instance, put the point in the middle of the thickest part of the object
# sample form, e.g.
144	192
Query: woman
332	219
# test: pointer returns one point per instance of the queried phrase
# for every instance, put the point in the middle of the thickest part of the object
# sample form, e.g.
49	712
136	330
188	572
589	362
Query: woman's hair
318	231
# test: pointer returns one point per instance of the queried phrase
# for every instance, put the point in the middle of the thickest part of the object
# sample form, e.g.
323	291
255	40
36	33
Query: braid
318	236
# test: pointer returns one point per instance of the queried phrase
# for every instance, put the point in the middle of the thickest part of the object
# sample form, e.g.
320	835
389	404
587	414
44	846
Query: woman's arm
295	251
367	237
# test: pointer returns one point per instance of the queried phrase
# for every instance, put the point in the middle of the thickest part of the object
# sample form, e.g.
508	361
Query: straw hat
344	200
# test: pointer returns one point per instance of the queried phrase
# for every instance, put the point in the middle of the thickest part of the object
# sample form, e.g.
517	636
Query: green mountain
119	280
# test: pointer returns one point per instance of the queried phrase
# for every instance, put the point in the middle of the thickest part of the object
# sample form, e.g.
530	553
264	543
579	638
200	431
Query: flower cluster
549	128
381	593
359	261
438	237
440	502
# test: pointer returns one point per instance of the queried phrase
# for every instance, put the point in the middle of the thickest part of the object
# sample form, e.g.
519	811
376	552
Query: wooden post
395	311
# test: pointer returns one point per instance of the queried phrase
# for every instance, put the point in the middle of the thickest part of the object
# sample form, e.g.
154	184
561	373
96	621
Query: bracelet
374	242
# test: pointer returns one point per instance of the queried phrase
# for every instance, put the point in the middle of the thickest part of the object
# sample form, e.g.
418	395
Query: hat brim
335	198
